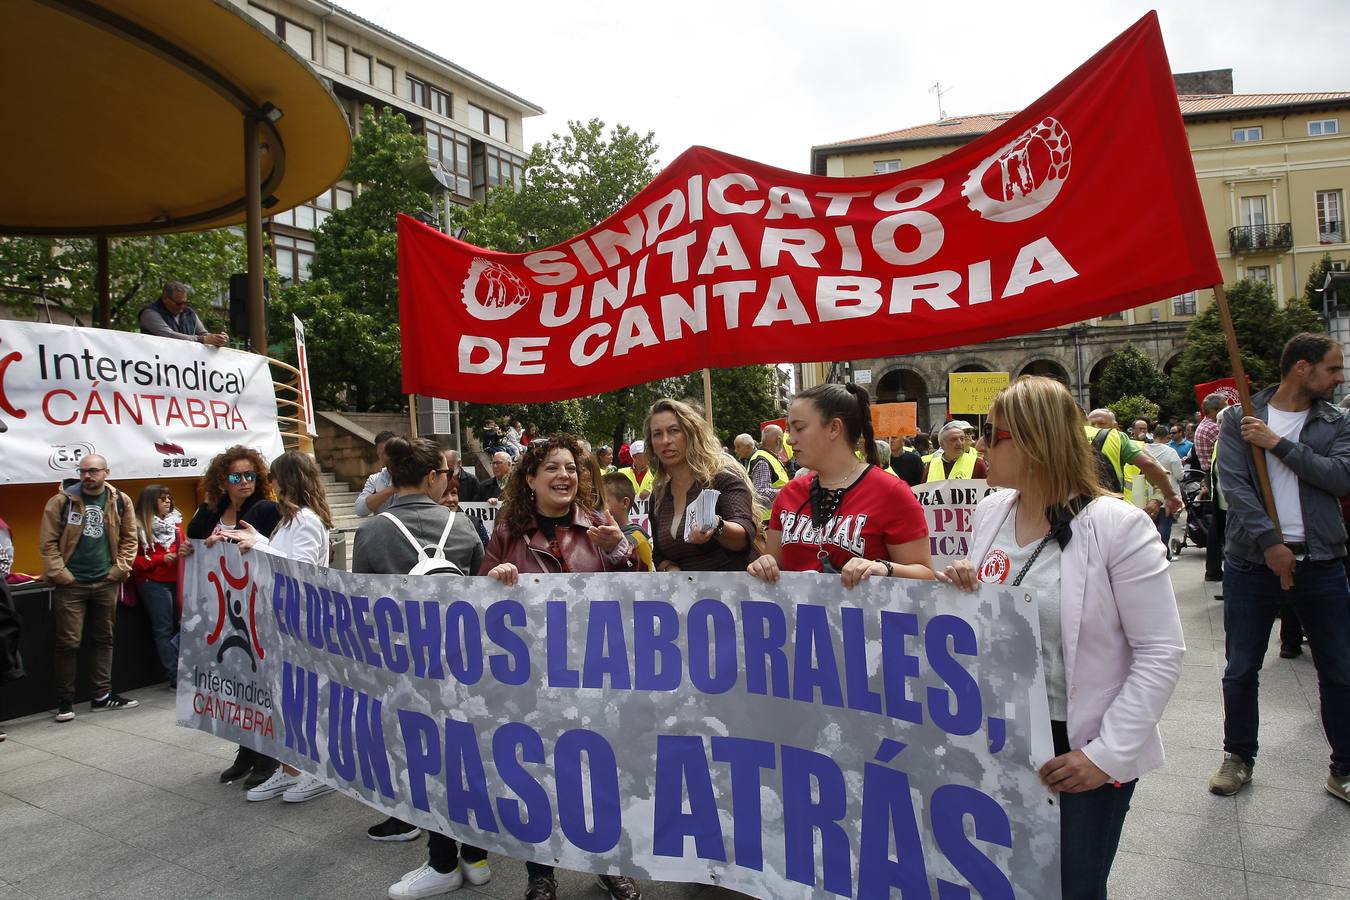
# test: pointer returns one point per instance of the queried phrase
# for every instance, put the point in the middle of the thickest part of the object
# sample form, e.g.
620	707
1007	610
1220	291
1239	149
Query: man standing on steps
88	543
379	488
1299	561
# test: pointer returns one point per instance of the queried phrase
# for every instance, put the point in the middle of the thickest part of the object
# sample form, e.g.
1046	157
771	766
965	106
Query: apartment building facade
473	128
1274	173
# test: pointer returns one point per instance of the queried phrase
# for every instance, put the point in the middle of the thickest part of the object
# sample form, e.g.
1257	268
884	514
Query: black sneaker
243	763
1291	652
620	887
392	829
113	701
65	711
263	769
542	888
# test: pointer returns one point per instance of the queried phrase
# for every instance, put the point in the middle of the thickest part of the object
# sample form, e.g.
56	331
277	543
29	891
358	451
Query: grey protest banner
797	740
949	507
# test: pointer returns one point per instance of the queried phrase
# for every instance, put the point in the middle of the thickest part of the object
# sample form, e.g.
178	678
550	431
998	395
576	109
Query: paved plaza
127	805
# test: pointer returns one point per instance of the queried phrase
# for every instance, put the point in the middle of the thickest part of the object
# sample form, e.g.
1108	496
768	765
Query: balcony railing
1249	238
1330	232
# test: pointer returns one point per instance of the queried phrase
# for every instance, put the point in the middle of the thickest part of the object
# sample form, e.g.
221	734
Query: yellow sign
972	392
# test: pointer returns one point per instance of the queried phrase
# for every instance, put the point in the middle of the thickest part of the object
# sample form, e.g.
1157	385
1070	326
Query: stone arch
1172	357
1046	366
1094	377
904	384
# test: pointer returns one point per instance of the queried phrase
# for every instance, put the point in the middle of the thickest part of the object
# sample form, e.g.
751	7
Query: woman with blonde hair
687	459
155	571
1111	643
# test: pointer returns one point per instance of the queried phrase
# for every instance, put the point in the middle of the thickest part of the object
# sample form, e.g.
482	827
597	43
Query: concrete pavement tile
1183	794
1262	886
1262	804
1175	836
28	848
1318	856
67	874
1290	773
17	781
1137	876
14	755
164	882
1293	740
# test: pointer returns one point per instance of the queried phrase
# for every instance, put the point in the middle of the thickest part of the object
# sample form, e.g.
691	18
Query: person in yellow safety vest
639	472
767	473
771	441
956	458
1121	452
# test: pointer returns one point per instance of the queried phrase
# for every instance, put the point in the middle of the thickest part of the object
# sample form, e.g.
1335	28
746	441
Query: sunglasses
240	477
993	435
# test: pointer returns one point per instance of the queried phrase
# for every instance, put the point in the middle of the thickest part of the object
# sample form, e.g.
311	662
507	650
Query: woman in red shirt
849	517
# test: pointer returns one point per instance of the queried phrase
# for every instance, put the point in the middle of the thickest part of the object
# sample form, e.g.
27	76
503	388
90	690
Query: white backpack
436	563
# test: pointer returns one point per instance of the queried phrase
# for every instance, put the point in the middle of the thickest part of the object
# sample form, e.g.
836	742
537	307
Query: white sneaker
425	882
274	786
307	788
476	872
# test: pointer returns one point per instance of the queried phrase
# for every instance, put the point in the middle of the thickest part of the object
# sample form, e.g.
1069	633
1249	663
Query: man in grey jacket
171	317
1298	559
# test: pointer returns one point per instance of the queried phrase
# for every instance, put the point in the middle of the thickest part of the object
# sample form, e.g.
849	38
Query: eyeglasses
441	471
993	435
238	477
90	471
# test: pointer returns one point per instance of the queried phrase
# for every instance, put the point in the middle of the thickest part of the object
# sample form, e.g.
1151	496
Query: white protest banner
152	406
949	507
302	363
796	740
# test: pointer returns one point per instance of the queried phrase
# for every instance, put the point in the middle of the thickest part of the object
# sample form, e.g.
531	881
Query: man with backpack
88	543
1114	452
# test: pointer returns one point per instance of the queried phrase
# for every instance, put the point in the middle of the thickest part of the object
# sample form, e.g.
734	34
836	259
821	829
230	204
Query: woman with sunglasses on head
547	525
302	536
237	490
418	469
847	517
155	571
687	459
1111	643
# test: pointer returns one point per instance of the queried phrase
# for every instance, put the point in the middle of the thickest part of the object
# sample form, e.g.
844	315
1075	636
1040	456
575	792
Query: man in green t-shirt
88	541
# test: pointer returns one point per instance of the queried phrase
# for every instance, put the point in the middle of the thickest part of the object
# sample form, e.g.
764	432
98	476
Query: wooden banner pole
707	394
412	415
1245	397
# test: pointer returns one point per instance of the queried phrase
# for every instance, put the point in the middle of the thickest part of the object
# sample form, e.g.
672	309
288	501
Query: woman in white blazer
301	536
1111	643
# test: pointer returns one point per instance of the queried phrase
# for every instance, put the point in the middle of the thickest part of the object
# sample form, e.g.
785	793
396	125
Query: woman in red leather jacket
543	528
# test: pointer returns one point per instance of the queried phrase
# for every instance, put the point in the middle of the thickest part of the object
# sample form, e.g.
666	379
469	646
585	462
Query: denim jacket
1321	460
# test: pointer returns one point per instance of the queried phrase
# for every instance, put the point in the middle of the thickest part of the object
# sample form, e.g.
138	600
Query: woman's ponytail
865	423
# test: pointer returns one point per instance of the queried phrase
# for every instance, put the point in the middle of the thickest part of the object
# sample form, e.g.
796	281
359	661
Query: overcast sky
769	80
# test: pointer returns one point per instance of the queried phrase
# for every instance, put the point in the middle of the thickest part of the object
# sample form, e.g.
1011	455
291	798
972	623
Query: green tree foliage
1128	409
1316	278
573	181
742	398
350	305
1131	372
1262	329
137	270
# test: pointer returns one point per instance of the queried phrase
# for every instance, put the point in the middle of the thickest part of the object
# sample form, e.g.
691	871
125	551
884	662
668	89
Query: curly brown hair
214	479
518	509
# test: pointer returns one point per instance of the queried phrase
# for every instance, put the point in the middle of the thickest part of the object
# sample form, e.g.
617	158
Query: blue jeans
1089	831
158	599
1252	600
1165	522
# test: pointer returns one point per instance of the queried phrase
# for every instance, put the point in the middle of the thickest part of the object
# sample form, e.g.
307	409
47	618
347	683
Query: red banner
1084	203
1225	386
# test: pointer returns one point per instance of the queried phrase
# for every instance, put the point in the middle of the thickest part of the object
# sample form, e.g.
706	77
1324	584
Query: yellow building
1273	170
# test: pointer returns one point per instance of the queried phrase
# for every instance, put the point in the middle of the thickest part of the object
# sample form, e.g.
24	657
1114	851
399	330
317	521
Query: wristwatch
719	528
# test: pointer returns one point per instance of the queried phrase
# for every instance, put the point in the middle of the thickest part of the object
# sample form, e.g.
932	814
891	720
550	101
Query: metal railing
1330	232
1247	238
294	431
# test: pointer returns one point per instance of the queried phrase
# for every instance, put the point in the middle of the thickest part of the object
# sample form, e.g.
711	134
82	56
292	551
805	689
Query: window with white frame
359	67
1259	273
1184	304
335	57
300	38
885	166
1246	134
384	77
294	257
1330	217
1319	127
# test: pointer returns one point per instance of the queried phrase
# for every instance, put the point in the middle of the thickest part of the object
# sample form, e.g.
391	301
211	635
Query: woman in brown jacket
543	528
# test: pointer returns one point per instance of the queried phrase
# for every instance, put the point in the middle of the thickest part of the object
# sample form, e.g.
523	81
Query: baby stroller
1196	532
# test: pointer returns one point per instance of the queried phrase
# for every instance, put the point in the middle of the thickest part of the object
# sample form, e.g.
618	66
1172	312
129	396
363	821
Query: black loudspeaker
239	304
